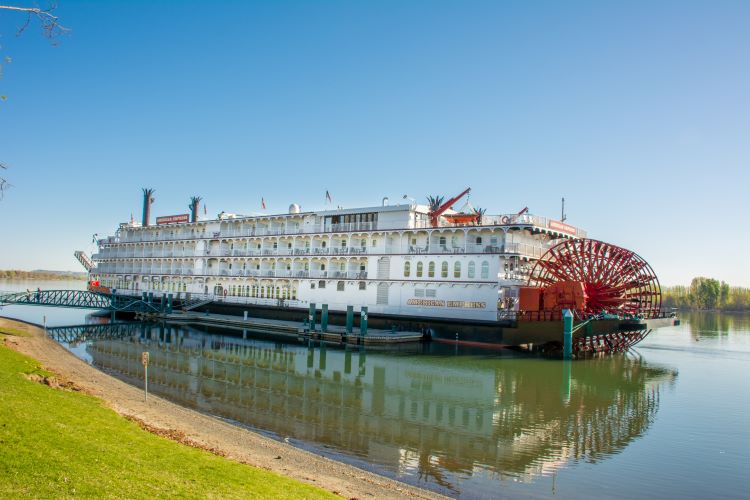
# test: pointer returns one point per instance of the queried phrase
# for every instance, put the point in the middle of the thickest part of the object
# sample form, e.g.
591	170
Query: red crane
435	214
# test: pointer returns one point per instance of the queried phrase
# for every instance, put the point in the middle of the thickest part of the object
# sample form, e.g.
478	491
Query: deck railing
294	229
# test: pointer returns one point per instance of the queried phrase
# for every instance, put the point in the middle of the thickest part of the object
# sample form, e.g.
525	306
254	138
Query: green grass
56	443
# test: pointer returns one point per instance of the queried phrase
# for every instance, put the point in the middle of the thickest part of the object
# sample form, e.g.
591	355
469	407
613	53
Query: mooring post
311	316
324	318
567	334
349	319
363	321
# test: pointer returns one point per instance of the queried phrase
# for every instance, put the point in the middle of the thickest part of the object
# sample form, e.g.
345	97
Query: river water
669	419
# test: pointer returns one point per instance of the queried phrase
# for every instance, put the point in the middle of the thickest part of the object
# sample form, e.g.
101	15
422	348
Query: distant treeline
707	294
40	275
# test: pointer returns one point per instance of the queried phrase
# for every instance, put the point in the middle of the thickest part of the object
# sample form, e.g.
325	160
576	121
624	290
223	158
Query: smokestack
148	199
195	204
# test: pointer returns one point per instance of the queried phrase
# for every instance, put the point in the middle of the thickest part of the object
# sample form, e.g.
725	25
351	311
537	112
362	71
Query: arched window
457	270
407	269
431	270
471	270
444	270
485	270
419	269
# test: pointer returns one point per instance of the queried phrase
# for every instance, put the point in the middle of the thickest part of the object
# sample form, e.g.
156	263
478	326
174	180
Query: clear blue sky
636	112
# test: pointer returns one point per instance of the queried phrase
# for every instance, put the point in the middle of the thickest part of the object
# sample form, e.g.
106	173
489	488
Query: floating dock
330	333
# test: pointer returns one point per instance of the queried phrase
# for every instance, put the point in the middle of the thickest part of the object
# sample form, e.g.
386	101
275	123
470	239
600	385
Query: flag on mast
205	209
328	197
263	203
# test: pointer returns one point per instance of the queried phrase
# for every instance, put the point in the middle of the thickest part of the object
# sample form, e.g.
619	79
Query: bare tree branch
51	28
4	184
50	23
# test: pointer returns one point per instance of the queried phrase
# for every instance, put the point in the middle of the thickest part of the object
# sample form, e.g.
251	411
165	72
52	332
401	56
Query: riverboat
458	275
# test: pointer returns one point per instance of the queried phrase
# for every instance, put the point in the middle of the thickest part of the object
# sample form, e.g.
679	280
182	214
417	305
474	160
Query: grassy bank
60	443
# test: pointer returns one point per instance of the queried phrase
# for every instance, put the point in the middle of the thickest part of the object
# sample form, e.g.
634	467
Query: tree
51	29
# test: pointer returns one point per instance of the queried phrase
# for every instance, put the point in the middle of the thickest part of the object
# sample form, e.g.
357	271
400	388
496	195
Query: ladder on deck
84	260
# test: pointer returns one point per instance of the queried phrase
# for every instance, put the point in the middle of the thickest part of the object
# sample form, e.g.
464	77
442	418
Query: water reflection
711	325
443	421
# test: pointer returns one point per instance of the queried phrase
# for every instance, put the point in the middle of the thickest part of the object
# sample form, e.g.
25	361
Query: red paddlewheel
615	280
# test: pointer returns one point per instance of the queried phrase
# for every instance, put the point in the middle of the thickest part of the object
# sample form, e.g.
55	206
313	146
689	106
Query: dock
333	334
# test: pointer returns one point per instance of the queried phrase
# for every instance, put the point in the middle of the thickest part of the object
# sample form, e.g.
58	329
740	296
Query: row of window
340	285
484	272
256	291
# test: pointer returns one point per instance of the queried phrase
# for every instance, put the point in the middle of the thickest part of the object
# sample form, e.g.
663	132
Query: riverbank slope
198	430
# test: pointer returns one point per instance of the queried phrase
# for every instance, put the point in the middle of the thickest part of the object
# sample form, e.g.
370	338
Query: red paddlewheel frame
611	342
616	280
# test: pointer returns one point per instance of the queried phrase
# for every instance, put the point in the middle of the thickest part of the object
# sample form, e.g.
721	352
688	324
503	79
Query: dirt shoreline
196	429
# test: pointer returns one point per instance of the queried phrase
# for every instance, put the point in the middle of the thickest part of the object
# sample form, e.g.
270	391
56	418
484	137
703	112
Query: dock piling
324	318
363	321
567	334
311	316
349	319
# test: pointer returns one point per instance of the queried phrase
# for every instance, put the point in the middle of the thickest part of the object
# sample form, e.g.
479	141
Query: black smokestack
195	205
148	199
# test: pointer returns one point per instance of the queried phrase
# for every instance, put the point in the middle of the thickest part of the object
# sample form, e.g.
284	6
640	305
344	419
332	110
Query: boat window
374	242
321	284
419	292
485	270
322	267
343	243
419	269
457	270
407	269
444	270
431	270
479	240
362	285
340	286
430	293
441	240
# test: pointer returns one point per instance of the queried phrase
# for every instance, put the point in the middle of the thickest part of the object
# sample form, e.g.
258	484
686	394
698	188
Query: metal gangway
79	299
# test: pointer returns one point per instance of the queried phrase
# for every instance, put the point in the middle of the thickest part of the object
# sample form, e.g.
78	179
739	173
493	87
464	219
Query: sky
636	112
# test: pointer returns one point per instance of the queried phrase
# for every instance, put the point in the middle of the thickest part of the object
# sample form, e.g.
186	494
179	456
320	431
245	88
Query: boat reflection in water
456	424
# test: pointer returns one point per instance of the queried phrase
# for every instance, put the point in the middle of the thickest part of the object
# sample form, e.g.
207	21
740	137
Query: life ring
505	219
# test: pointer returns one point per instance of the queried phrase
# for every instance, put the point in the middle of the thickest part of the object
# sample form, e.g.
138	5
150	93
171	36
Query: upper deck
361	220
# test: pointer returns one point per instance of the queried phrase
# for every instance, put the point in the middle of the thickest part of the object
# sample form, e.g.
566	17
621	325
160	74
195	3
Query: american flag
263	203
328	197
